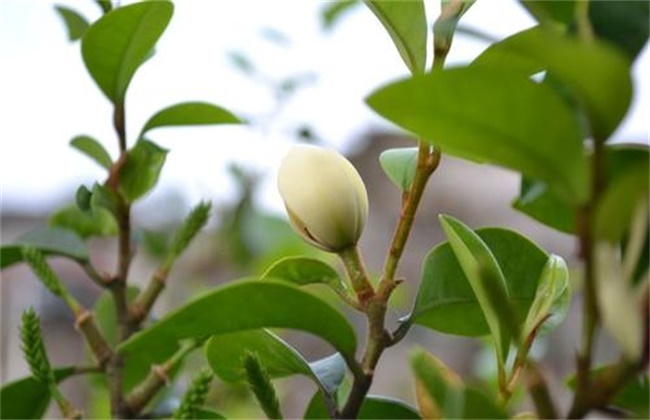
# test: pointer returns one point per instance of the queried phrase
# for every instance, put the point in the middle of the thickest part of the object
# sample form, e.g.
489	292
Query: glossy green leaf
625	23
620	200
135	369
117	44
539	201
50	241
471	113
190	113
484	275
400	165
445	300
247	305
28	398
303	271
95	222
406	23
93	149
552	298
74	22
225	354
142	168
605	91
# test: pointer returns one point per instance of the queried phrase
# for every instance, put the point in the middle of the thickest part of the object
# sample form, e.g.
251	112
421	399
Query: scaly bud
324	196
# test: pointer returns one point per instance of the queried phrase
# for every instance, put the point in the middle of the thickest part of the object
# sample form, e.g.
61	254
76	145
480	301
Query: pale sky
46	96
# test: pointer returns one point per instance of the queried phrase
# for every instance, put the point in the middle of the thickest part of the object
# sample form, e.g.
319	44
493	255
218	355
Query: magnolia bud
324	196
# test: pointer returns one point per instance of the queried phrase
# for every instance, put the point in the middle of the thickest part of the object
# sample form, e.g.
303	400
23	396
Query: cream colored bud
324	196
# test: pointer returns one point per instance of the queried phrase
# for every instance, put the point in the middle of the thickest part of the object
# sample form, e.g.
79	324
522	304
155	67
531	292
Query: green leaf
247	305
27	398
83	198
406	23
380	407
445	300
539	201
117	44
625	23
605	91
469	112
333	11
302	271
102	197
484	275
190	113
225	354
74	22
441	394
400	165
95	222
50	241
93	149
208	413
620	200
559	11
142	168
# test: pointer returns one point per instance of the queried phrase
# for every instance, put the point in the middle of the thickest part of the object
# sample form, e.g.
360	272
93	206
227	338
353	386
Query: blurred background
296	72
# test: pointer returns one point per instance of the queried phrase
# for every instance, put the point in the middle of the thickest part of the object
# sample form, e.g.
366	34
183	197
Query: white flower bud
324	196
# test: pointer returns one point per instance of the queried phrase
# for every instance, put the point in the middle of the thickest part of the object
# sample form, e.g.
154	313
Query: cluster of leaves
489	282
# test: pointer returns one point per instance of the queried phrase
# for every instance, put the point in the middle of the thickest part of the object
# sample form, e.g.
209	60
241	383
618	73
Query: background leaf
469	112
400	165
93	149
190	113
242	306
445	301
333	11
373	407
142	168
225	354
95	222
74	22
50	241
28	398
117	44
624	23
539	201
406	23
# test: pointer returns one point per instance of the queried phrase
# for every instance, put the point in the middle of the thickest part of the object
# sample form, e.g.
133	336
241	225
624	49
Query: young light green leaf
142	168
225	353
483	273
192	225
34	349
74	22
400	165
49	241
438	389
95	222
552	299
303	271
445	300
93	149
470	113
28	398
247	305
117	44
406	23
190	113
605	93
195	396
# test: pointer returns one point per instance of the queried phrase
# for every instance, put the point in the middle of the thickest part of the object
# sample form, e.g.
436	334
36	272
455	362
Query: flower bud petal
324	196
